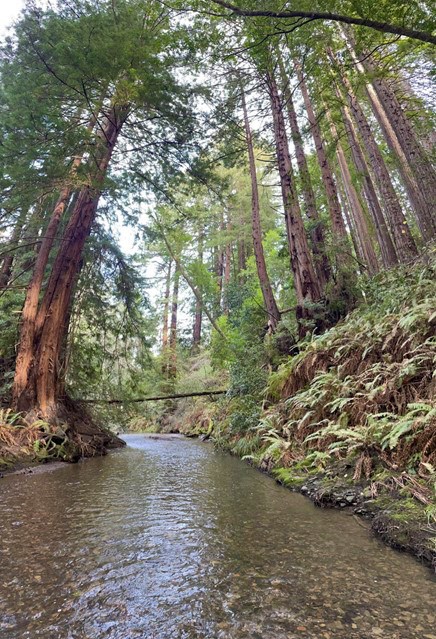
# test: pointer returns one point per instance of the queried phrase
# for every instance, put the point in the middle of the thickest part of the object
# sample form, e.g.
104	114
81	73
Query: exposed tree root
68	436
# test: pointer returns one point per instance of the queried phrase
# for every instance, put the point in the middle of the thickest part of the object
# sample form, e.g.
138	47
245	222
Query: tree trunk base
74	429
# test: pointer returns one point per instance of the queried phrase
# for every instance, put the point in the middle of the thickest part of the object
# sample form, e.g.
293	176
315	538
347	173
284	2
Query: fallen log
151	399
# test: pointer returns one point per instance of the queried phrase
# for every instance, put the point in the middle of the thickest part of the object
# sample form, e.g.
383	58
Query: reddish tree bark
337	222
36	379
416	170
404	242
414	193
424	197
407	97
387	248
262	273
321	261
306	284
358	213
345	206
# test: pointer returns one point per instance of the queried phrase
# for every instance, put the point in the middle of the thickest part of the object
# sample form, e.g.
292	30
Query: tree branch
384	27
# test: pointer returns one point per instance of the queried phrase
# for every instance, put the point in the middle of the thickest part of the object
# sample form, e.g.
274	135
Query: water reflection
170	539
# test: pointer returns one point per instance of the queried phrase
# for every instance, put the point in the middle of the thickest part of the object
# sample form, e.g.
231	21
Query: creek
172	539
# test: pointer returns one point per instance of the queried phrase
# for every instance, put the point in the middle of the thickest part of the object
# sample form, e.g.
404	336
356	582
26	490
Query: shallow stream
171	539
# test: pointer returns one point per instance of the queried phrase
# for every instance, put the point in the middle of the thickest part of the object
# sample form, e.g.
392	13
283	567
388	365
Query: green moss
403	509
408	511
5	463
287	477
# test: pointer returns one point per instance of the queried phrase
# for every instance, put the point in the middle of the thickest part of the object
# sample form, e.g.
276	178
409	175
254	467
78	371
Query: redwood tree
37	368
129	70
265	285
317	233
307	286
337	222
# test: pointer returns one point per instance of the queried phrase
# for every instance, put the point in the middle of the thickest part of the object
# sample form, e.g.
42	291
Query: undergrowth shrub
365	389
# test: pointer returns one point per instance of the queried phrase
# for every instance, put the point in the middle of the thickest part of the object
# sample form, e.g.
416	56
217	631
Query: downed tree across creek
152	399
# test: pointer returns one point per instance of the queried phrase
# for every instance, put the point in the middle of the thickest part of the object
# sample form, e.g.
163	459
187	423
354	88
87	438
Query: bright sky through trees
8	13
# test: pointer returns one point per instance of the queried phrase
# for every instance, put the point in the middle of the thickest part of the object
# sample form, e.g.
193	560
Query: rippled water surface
169	539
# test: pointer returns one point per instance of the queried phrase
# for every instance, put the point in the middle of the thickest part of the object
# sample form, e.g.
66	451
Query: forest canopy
269	163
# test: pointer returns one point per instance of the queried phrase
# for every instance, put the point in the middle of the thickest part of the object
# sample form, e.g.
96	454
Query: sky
9	10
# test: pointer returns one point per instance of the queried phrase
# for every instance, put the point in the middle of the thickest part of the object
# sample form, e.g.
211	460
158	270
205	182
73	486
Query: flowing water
170	539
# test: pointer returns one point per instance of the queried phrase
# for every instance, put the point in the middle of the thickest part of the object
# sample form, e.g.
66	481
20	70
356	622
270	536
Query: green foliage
247	381
245	414
246	445
110	326
364	388
360	394
179	175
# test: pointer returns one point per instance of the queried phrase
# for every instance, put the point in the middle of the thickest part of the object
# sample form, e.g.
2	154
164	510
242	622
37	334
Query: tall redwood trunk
172	364
262	273
407	96
334	207
404	242
30	307
321	261
66	343
306	284
166	307
415	154
198	317
416	170
357	211
424	173
37	368
345	206
26	351
414	193
387	248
